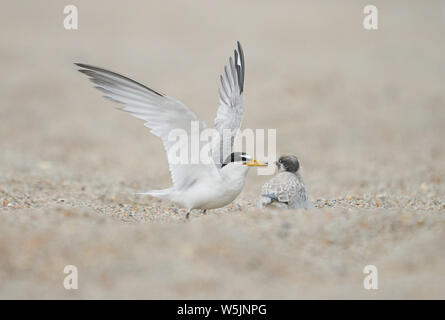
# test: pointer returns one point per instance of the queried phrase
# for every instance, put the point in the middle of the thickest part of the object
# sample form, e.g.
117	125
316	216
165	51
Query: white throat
234	175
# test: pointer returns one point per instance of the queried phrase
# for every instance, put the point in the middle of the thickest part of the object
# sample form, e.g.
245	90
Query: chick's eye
280	161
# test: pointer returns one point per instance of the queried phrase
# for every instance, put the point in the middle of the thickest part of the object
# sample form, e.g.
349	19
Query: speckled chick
286	189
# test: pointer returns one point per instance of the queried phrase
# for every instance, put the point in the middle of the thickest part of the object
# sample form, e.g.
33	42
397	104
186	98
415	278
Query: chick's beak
256	163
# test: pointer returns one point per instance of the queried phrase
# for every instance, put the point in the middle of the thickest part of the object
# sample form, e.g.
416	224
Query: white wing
230	112
161	113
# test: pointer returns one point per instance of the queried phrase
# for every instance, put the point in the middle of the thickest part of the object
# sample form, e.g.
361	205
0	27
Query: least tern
286	189
195	186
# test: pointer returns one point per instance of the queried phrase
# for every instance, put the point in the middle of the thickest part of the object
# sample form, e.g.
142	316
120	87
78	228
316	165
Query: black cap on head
236	157
288	163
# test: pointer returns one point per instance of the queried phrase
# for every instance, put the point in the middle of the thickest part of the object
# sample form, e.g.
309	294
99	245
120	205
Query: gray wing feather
230	112
161	114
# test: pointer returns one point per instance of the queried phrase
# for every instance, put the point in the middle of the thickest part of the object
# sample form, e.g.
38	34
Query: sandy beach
363	110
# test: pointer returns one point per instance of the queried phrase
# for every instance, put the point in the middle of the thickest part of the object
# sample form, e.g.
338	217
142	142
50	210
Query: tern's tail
163	194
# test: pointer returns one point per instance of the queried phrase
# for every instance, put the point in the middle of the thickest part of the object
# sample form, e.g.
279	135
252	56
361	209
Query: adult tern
203	185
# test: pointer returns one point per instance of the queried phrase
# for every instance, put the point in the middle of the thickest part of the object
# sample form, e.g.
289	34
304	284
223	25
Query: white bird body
208	192
208	184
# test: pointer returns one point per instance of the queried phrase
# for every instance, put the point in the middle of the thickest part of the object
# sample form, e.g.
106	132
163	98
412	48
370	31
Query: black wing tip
237	68
85	66
97	69
90	70
240	49
241	68
81	65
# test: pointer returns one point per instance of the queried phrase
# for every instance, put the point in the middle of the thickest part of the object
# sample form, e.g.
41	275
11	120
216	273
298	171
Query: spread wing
230	112
161	114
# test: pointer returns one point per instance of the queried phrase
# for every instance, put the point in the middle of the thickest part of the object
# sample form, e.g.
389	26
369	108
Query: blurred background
362	109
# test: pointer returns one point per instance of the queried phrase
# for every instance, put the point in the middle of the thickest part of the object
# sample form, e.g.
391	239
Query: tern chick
286	189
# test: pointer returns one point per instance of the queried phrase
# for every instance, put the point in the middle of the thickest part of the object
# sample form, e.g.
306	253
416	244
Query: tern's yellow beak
256	163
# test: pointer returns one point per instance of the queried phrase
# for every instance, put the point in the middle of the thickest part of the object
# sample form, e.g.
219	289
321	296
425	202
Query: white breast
214	192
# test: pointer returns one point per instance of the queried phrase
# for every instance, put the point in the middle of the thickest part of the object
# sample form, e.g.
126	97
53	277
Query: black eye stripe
236	157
